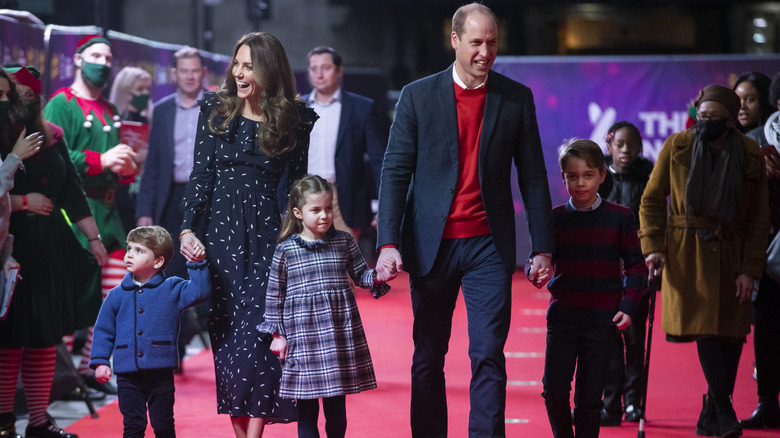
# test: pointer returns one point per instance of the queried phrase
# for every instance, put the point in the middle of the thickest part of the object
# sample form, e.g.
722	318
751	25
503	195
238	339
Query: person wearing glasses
710	243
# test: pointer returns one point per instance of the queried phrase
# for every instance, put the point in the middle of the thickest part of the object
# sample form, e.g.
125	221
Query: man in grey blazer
445	204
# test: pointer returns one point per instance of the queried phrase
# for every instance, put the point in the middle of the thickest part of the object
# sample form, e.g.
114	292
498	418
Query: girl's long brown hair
274	77
308	185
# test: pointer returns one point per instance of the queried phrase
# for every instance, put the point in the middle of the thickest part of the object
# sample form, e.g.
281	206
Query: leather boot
8	425
767	414
708	419
728	424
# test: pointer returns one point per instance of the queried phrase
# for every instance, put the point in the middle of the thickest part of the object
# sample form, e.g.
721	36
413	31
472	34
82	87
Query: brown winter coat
699	279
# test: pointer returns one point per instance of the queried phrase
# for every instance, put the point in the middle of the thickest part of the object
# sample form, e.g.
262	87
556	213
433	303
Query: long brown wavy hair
274	77
308	185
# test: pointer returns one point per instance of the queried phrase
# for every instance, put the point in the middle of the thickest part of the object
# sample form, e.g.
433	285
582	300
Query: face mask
5	106
30	111
139	101
711	129
96	74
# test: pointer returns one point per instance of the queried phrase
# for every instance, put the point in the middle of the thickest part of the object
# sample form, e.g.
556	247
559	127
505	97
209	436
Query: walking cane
654	286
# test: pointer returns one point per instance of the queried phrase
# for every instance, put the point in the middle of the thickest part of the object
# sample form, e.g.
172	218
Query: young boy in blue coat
139	324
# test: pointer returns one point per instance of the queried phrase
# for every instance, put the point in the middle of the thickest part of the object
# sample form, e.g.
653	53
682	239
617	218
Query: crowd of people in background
266	194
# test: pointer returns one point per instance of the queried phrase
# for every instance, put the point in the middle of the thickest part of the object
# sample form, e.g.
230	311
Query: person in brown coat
711	243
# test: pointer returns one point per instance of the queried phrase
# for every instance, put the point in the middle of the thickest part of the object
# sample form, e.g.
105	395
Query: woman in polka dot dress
251	133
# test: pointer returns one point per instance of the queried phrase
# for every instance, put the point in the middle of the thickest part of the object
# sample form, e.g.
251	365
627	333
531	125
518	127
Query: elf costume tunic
91	128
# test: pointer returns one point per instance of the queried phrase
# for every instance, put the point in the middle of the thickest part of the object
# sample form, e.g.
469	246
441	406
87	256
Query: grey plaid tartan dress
310	301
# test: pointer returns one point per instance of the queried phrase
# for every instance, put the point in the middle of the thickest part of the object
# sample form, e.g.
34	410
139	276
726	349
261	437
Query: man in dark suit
171	147
347	131
445	203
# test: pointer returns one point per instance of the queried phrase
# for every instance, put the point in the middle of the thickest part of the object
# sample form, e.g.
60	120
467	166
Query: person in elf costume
90	127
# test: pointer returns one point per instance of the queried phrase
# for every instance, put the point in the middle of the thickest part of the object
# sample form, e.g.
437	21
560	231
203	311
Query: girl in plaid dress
311	311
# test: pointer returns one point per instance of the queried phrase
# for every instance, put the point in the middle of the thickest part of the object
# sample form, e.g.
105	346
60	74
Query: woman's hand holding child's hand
279	346
192	248
103	373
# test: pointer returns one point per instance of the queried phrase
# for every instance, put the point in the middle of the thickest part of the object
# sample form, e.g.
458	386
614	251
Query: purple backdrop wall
51	49
583	96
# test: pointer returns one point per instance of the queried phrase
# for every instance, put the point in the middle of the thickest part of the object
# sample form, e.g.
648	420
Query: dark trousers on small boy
137	390
587	348
335	410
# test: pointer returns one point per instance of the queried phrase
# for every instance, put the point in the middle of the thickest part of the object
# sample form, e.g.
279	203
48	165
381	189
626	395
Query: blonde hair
308	185
122	90
155	238
274	76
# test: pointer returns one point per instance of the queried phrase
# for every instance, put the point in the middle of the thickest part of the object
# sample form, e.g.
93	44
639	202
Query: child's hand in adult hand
103	373
387	274
192	248
279	346
622	320
540	270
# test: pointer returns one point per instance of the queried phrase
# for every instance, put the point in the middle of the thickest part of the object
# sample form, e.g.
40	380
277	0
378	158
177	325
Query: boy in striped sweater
596	284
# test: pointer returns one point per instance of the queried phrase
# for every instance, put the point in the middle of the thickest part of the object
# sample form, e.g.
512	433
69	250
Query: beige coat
699	279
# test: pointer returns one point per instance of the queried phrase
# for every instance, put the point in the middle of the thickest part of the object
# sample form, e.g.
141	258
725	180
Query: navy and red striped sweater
598	265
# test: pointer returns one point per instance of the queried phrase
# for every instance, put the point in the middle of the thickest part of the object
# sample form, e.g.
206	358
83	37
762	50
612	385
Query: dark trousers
137	390
335	410
586	348
766	339
627	364
473	265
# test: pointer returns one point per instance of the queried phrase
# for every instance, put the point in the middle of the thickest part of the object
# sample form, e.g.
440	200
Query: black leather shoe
92	382
633	413
8	425
765	415
47	430
608	419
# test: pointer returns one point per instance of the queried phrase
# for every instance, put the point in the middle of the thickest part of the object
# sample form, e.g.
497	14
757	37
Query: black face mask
30	111
711	129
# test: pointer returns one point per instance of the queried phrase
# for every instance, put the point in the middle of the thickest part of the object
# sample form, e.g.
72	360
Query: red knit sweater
467	216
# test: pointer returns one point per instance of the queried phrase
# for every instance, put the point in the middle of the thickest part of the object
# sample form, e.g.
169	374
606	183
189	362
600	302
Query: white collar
460	82
313	97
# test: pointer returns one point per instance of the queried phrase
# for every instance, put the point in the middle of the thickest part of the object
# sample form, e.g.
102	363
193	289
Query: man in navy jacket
445	204
348	130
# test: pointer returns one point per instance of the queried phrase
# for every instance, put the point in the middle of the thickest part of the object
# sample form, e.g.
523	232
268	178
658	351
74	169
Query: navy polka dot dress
231	203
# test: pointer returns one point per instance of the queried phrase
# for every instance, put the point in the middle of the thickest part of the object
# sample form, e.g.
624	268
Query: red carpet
676	383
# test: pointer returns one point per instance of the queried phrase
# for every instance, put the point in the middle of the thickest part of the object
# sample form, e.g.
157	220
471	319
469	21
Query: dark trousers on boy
588	349
626	369
137	390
